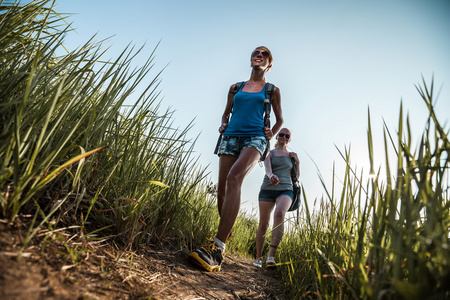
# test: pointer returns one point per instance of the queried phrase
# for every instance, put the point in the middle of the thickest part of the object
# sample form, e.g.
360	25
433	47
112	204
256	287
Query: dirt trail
99	271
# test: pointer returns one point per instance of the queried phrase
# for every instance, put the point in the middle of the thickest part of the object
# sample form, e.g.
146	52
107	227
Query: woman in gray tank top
276	192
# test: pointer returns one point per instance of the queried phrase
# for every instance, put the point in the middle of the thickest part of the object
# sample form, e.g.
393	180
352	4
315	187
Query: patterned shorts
233	145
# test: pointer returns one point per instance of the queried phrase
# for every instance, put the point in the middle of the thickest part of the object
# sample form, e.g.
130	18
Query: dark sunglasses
263	53
287	135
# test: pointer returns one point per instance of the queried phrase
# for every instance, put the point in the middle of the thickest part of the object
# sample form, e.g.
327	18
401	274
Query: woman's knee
282	206
279	214
263	226
234	179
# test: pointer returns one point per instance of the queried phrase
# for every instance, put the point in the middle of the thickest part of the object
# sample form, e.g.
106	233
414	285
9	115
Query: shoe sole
201	263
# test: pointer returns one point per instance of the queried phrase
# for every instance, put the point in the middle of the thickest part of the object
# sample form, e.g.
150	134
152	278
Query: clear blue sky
332	61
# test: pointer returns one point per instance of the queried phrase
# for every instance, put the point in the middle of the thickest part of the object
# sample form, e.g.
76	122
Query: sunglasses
263	53
287	135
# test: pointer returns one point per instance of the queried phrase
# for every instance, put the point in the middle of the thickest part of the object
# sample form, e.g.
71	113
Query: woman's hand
274	179
268	133
223	127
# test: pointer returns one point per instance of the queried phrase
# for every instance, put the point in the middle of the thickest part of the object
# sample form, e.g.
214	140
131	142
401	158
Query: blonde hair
270	56
290	133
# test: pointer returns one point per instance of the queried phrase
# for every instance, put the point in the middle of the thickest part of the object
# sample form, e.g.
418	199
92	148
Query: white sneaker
258	263
270	262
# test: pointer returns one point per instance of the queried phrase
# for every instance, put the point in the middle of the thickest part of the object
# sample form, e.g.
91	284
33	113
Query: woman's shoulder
236	86
275	87
276	90
276	94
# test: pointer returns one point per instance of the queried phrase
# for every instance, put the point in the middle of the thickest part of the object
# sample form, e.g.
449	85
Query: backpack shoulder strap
237	87
293	170
267	108
269	91
268	95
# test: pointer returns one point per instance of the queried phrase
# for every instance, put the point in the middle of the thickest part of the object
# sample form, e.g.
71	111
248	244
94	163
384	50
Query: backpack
267	109
295	188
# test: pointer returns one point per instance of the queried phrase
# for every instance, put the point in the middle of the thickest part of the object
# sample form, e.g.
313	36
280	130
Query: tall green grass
380	238
71	152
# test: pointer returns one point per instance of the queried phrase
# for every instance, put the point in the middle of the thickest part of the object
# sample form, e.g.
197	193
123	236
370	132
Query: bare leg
225	164
265	209
230	207
282	205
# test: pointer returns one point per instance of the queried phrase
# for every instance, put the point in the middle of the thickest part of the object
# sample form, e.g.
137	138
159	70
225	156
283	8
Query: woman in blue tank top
244	141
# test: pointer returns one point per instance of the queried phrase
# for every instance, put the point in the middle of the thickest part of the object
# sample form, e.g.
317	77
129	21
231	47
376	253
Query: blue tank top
247	117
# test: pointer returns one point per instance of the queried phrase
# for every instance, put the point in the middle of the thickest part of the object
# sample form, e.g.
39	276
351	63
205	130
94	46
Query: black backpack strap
237	87
269	91
268	105
267	108
293	171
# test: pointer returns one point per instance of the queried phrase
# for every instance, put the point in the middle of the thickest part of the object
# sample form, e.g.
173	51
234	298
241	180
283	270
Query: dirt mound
54	266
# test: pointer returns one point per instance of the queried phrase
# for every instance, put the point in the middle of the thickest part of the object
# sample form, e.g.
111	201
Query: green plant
385	239
72	151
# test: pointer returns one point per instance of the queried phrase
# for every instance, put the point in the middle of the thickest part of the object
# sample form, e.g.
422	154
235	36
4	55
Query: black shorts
271	196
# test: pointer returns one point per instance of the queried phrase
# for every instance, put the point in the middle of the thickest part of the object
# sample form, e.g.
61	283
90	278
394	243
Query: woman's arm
279	121
276	106
297	162
268	169
226	113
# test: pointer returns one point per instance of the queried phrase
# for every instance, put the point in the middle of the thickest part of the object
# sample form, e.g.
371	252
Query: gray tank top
281	166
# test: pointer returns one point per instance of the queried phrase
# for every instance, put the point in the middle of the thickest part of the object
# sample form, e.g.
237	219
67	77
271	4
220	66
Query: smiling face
284	136
261	57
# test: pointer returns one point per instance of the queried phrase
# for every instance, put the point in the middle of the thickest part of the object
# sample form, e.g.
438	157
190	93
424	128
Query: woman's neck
258	75
282	147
